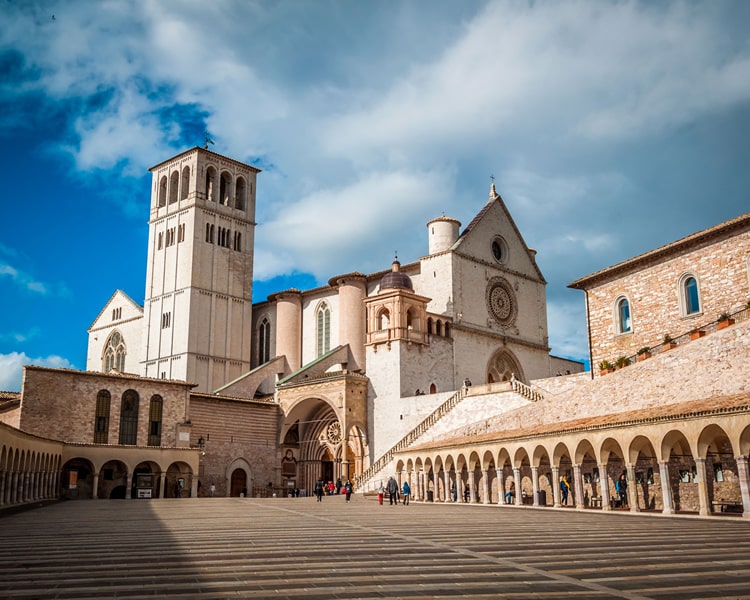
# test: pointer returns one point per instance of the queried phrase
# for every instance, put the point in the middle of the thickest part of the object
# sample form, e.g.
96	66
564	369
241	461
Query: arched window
429	326
101	420
622	316
264	342
226	188
438	328
185	183
409	320
163	191
447	330
324	330
690	295
129	418
174	182
154	420
384	320
239	198
433	388
114	353
211	184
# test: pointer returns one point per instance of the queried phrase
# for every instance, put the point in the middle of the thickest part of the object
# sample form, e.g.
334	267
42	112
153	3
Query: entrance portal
239	483
326	470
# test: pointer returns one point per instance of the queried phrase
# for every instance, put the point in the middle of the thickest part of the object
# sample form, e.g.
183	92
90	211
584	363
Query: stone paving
299	548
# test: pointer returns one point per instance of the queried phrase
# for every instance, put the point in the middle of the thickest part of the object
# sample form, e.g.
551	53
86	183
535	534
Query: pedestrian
621	485
407	492
454	491
211	490
392	488
467	493
381	493
511	493
339	485
318	489
348	487
564	490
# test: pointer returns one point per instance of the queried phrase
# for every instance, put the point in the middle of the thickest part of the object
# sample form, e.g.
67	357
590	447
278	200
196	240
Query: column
604	487
743	472
517	478
472	488
162	484
500	486
577	487
556	486
666	488
486	487
448	486
345	460
95	487
700	479
632	489
534	486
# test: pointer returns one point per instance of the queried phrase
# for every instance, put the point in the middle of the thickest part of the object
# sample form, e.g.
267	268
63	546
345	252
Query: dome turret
396	279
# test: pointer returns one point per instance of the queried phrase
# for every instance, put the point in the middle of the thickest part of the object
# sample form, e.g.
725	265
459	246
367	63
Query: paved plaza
299	548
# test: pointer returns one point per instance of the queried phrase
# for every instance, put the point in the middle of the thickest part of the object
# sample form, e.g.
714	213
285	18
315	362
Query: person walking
621	486
211	490
564	490
318	489
392	488
407	493
348	487
454	492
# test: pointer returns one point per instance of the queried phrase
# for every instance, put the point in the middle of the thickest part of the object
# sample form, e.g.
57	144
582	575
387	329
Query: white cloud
11	368
22	279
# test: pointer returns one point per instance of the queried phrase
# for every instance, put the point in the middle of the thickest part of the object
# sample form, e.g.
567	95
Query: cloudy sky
611	128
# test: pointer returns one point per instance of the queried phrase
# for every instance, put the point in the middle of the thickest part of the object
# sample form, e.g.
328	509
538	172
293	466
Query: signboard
144	493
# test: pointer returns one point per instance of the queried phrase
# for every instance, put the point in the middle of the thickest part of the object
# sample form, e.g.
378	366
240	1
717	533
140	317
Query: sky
610	127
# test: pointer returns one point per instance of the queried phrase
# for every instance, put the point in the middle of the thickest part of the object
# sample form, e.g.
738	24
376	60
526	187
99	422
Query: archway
503	366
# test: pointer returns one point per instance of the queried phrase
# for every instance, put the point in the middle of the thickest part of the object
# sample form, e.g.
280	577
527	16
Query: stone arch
233	483
502	366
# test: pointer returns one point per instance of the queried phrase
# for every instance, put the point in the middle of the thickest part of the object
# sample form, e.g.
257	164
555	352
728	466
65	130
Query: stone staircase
409	439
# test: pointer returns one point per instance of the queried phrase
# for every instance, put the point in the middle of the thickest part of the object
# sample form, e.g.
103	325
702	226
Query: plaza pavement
299	548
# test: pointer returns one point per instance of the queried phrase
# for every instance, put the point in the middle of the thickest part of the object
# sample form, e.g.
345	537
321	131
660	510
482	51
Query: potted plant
644	353
605	367
621	362
724	321
668	343
696	333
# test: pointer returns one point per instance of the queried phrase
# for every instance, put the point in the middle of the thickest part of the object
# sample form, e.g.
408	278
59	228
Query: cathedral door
326	470
239	483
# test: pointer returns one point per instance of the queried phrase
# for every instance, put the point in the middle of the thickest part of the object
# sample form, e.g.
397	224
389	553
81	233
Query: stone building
351	367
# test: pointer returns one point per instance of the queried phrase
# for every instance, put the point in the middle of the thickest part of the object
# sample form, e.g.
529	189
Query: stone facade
717	259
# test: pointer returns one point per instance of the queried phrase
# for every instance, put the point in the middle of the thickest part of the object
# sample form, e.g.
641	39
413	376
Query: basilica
437	371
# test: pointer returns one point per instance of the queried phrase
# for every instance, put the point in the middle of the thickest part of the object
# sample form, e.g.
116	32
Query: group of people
394	494
320	489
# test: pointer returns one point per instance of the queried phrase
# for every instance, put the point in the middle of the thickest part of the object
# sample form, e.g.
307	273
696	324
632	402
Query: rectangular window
154	421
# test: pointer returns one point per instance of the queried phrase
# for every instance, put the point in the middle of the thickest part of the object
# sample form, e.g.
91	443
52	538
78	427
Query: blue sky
611	128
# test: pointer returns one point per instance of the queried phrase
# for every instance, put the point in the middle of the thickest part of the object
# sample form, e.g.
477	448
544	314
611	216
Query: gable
108	316
492	237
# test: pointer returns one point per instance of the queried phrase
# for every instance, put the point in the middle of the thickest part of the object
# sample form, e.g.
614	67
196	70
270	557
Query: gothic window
433	388
163	191
181	233
101	420
114	354
239	198
208	232
622	316
154	421
174	183
323	330
213	233
166	320
226	187
264	342
211	184
689	295
160	241
237	240
129	418
117	313
185	183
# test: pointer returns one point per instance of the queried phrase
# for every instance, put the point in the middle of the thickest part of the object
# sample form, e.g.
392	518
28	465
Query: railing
525	390
409	438
684	338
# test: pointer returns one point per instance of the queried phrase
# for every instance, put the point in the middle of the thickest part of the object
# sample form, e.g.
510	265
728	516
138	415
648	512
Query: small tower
443	233
198	300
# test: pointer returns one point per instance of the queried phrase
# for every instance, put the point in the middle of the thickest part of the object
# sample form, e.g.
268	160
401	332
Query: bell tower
198	300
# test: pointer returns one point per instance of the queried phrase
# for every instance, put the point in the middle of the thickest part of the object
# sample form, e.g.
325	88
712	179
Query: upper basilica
364	357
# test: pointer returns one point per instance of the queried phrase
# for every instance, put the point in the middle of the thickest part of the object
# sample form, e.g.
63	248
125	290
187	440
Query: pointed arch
502	366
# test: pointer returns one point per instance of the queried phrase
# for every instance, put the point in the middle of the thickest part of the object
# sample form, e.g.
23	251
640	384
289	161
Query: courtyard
299	548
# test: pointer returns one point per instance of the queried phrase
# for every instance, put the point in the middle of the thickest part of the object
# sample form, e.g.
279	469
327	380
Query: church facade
353	365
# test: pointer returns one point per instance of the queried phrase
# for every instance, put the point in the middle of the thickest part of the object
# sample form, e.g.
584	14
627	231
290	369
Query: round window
499	250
